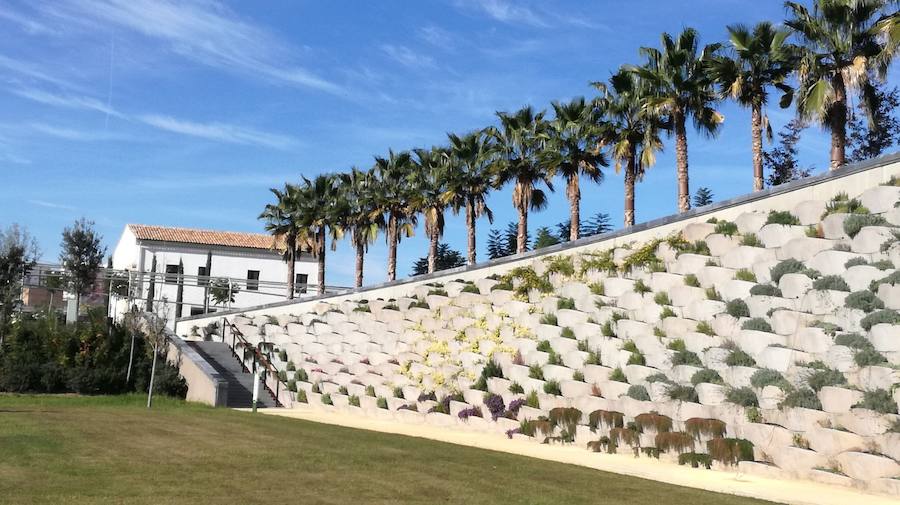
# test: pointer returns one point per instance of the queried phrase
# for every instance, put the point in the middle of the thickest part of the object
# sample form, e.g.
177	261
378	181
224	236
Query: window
252	280
201	272
171	274
196	311
300	283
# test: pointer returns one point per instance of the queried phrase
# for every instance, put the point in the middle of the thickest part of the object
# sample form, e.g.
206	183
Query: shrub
745	275
751	240
852	262
878	400
686	358
892	279
852	340
638	392
536	372
495	405
343	390
744	396
666	312
657	377
738	357
326	399
565	303
391	306
549	319
868	356
551	387
843	204
889	316
544	346
618	375
662	298
813	231
825	377
713	294
578	376
471	288
382	402
696	460
831	282
726	228
768	377
567	333
884	265
532	400
691	280
301	376
470	412
353	400
804	397
865	301
516	388
707	376
788	266
730	451
593	358
705	328
596	288
292	385
563	265
765	290
370	390
856	222
398	392
758	324
682	393
782	217
608	329
737	308
640	287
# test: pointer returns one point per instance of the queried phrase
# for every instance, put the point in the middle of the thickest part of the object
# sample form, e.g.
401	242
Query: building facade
184	269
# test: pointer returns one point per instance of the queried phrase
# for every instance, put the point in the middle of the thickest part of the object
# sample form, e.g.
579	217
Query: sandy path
783	491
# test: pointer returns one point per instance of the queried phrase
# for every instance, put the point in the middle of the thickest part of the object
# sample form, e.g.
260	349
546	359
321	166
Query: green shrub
682	393
751	240
788	266
843	204
549	319
551	387
868	356
578	375
353	400
505	285
292	385
565	303
705	328
856	222
382	403
892	279
640	288
865	301
471	288
662	298
618	375
391	306
782	217
343	390
326	399
804	398
638	392
737	308
825	377
738	357
686	358
889	316
758	324
745	275
437	292
666	312
563	265
532	400
813	231
884	265
536	372
713	294
544	346
516	388
597	288
852	340
301	376
726	228
370	390
852	262
707	375
608	329
691	280
765	290
658	377
831	282
878	400
768	377
567	333
744	396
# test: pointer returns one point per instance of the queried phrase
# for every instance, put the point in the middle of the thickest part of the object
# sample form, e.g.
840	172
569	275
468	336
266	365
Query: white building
247	261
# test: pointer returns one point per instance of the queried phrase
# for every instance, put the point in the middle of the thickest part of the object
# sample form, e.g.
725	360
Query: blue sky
185	113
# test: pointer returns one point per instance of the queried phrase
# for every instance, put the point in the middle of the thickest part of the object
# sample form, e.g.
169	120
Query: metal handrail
259	358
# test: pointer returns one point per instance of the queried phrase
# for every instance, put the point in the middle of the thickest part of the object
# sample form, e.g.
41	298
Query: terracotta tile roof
202	237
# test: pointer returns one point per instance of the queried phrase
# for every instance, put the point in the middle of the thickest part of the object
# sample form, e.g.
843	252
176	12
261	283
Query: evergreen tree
781	161
81	256
597	225
512	241
703	197
871	137
446	258
496	244
546	238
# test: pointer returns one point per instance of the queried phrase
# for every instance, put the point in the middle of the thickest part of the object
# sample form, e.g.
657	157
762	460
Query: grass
76	450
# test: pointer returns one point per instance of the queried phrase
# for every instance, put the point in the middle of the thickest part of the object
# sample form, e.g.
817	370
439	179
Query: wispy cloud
79	135
436	36
221	132
205	31
29	25
68	101
407	57
22	68
520	13
51	205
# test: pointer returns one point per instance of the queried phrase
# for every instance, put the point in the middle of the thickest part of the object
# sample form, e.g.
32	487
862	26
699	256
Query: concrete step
240	383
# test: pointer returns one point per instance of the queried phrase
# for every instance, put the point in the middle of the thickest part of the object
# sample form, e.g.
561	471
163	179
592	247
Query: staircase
240	383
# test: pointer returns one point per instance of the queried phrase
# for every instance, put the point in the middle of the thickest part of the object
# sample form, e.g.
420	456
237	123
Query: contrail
112	47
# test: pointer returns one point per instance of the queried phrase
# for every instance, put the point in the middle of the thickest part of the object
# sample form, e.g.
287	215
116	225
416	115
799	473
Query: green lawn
112	450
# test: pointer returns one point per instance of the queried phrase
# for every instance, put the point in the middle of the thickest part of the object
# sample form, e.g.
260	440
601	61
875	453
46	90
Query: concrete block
734	289
794	285
831	262
704	310
880	199
743	256
831	442
750	222
710	394
833	226
689	263
867	467
803	248
890	295
777	235
809	212
795	459
885	337
682	296
821	302
697	231
720	244
870	238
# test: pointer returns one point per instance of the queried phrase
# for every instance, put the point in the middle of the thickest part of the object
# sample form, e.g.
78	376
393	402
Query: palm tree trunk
573	191
360	258
432	248
522	232
837	123
392	248
320	243
291	259
681	161
470	227
756	135
630	169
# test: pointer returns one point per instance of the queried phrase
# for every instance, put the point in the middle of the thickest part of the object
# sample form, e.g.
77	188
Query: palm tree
283	223
679	77
631	130
520	138
845	44
573	151
428	181
469	180
761	59
361	220
320	215
392	199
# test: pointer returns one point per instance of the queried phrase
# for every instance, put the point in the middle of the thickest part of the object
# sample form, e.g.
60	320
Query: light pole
255	383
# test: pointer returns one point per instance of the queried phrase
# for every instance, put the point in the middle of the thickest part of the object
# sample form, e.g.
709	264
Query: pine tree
546	238
496	244
781	161
703	197
870	137
512	234
446	258
597	225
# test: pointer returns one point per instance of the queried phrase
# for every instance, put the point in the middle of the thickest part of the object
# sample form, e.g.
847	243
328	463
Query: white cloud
407	57
76	135
205	31
436	36
51	205
27	70
221	132
505	11
30	26
67	101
